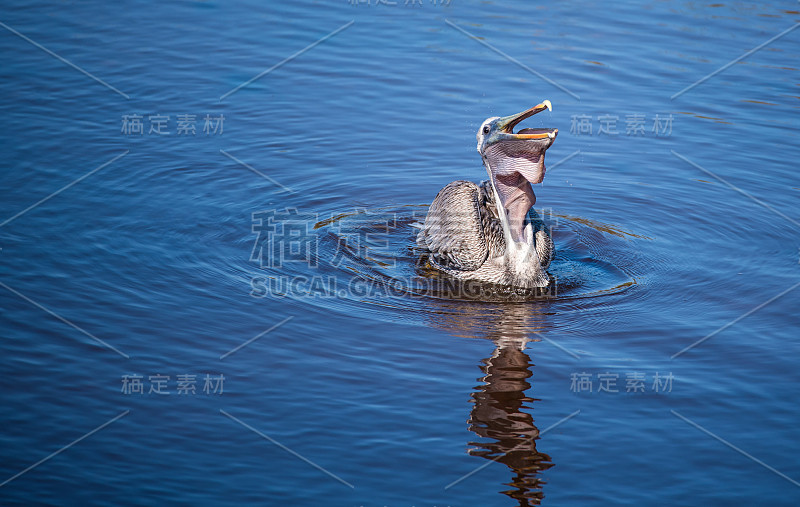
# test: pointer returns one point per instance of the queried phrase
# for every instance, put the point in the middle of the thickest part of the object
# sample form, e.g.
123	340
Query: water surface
675	219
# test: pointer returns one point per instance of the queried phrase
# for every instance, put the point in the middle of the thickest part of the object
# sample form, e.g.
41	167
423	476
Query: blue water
382	387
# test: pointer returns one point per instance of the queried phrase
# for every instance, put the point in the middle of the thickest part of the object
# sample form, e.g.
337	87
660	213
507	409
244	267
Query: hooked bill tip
548	105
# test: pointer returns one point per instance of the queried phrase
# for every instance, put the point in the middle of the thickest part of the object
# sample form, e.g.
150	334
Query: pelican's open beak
508	123
514	162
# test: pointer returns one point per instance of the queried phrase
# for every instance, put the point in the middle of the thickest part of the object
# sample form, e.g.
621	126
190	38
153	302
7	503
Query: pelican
468	235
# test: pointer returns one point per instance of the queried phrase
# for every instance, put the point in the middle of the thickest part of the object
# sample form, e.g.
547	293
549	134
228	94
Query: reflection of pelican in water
501	416
489	232
498	417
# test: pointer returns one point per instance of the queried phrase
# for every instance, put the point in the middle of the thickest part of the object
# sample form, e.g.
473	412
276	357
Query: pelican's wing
453	231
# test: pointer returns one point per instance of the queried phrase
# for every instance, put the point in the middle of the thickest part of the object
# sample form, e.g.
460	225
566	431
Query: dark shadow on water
509	433
501	413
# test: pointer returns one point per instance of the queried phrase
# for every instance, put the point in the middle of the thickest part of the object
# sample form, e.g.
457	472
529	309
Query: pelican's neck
513	198
517	197
501	212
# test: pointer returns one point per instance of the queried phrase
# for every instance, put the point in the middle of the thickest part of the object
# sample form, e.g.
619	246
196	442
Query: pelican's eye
486	129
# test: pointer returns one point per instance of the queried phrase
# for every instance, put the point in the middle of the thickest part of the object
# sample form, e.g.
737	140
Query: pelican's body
465	239
489	232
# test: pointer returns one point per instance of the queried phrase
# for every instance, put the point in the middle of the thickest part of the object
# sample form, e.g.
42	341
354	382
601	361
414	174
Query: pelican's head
514	161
